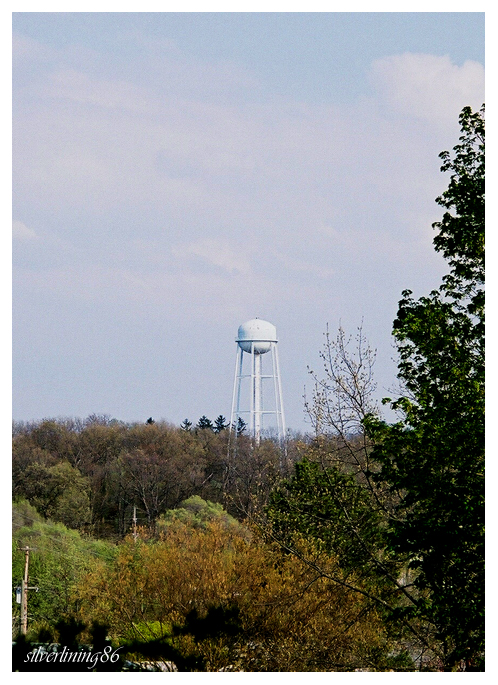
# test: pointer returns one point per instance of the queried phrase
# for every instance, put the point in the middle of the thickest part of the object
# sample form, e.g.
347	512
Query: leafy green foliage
198	513
434	456
59	492
58	558
399	508
460	235
335	525
330	508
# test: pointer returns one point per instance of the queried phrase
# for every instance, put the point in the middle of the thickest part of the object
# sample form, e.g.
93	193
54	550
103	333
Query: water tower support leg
280	405
236	391
257	398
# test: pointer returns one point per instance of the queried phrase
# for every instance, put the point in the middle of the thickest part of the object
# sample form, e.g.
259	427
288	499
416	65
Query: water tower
260	389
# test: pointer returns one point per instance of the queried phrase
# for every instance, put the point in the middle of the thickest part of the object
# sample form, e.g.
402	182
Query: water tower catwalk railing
255	339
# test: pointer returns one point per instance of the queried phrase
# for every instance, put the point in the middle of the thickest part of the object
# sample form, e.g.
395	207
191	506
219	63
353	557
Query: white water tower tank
254	339
255	336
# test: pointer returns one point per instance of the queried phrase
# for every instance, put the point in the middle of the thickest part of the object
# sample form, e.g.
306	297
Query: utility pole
135	522
24	593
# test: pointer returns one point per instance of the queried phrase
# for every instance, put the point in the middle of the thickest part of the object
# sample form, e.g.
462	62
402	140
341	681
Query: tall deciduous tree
434	456
403	503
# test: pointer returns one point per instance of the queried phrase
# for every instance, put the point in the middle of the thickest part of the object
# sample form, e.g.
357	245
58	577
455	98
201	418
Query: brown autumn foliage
288	618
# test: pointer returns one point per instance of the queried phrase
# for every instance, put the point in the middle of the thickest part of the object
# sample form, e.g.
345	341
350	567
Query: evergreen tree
205	423
220	424
186	425
241	426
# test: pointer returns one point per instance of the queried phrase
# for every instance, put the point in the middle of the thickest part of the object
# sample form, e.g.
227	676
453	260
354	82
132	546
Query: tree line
93	474
360	547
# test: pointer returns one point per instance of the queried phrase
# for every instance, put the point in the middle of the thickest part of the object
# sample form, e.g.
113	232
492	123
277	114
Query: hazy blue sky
176	174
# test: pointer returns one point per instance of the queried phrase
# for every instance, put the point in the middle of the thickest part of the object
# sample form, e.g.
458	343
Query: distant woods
92	474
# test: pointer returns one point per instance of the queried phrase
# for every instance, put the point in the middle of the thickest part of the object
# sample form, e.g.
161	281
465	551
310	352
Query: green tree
59	492
197	513
434	456
58	557
220	424
334	510
241	426
204	423
399	508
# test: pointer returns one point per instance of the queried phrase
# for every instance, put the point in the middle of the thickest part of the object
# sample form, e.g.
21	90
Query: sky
176	174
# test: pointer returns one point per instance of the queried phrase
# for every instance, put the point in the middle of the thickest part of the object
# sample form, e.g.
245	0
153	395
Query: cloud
76	86
103	145
302	266
172	166
215	253
25	49
21	232
428	86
